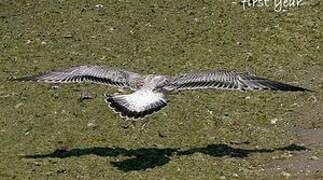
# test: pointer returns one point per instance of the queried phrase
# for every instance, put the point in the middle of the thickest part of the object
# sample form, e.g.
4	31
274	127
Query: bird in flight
149	92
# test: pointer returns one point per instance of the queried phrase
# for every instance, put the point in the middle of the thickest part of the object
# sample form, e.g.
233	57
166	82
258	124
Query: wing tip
35	77
266	84
26	78
288	87
297	88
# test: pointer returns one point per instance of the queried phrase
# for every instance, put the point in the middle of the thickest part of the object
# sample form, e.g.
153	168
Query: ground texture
48	132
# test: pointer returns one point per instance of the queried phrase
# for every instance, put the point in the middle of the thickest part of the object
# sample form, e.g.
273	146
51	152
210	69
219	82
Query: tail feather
137	105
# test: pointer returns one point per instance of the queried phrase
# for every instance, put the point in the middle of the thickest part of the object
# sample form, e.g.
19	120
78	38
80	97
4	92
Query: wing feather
86	73
227	80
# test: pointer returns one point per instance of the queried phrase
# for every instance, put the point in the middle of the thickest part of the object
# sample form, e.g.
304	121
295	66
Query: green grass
193	138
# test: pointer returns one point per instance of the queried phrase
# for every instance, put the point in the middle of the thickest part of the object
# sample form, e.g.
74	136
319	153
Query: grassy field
47	132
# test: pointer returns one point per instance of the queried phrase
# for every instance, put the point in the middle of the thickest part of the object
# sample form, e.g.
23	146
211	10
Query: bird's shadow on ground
143	158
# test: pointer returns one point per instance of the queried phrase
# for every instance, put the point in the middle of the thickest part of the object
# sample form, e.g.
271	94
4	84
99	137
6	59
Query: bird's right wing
226	80
86	73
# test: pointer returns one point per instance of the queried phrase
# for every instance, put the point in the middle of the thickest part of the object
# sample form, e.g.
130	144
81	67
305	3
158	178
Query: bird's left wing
226	80
86	73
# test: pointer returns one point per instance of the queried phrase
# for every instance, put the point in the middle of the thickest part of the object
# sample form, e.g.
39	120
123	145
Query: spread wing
138	104
227	80
86	73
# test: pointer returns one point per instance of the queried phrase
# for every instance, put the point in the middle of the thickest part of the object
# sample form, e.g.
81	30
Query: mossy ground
44	132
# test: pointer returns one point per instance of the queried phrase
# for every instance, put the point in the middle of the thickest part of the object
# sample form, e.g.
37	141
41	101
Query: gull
149	91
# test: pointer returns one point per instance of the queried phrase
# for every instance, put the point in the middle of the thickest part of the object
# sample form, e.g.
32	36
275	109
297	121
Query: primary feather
86	73
227	80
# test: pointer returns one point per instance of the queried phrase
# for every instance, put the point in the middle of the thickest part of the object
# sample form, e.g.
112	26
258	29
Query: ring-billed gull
150	91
